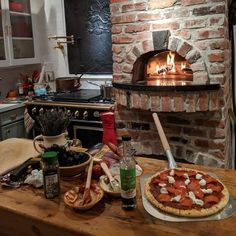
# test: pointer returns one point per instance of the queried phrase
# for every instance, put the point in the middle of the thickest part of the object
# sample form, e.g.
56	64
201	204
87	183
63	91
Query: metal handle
165	144
13	116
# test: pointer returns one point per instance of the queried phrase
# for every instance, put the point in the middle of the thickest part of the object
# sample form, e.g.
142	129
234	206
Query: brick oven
192	105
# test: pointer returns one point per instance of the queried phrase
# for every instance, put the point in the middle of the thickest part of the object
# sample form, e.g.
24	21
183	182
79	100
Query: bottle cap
48	156
126	138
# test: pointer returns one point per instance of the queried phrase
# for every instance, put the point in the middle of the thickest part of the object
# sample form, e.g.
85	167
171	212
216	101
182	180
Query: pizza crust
182	212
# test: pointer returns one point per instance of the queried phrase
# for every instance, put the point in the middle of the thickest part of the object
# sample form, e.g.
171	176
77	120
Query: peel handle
164	141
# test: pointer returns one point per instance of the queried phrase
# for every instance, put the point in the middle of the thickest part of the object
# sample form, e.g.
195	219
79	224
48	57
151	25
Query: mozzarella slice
186	176
171	179
202	182
172	172
207	190
194	199
162	184
187	181
176	198
163	190
198	176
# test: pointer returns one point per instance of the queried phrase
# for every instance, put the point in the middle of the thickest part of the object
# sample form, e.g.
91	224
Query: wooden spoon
87	196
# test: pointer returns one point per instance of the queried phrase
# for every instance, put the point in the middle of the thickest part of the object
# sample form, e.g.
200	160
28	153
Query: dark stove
80	96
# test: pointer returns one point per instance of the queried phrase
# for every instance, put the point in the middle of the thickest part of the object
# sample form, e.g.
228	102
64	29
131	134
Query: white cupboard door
4	32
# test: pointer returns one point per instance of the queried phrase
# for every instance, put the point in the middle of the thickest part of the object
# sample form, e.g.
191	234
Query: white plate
229	209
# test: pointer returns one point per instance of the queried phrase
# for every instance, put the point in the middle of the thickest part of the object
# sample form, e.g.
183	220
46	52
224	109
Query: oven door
88	132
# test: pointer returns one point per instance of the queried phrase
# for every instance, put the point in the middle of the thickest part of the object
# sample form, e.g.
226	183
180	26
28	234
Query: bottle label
51	185
128	183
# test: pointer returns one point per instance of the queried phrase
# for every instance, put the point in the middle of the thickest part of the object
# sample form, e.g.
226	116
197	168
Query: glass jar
51	175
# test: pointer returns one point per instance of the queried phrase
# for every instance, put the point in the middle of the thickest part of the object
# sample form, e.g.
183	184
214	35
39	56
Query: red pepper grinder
108	123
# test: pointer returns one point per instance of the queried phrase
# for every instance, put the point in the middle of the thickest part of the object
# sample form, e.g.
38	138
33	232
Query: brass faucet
68	40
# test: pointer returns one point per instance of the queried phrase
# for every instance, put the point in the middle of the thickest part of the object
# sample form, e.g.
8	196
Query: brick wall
198	32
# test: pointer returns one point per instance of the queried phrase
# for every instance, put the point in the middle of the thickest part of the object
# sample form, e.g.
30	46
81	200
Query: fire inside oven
167	68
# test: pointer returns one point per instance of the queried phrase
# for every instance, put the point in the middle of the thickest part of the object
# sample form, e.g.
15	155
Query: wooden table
25	211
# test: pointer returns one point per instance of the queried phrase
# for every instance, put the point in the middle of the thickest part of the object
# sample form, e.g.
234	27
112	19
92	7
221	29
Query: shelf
19	13
22	38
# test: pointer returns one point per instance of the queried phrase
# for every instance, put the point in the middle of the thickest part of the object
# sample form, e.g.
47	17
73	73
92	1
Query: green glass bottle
128	175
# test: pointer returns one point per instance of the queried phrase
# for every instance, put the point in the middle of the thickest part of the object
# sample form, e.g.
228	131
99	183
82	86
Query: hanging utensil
165	144
114	183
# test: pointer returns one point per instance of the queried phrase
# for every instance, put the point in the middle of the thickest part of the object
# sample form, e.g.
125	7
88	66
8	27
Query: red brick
219	44
134	7
178	103
169	25
217	69
211	33
185	34
148	16
184	49
194	131
147	46
192	2
202	103
116	49
190	103
135	100
125	18
144	103
154	4
127	68
117	1
209	10
210	123
137	28
217	21
117	68
122	39
116	29
216	57
165	103
155	103
196	23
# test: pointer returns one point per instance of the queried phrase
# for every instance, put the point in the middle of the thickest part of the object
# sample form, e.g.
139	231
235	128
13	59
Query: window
89	22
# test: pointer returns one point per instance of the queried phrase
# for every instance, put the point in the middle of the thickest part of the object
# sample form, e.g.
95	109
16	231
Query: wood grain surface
25	211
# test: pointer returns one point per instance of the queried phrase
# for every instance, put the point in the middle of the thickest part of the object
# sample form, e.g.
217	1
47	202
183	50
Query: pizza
186	192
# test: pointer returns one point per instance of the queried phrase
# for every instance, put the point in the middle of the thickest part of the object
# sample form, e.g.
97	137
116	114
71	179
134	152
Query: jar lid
49	155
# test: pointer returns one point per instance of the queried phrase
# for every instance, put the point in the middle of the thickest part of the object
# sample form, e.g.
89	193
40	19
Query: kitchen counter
10	106
25	211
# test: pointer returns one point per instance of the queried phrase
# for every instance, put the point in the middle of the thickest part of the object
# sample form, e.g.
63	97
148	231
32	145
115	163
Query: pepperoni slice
163	176
171	190
186	202
179	173
164	197
211	199
209	179
179	183
199	194
215	188
191	173
156	181
193	185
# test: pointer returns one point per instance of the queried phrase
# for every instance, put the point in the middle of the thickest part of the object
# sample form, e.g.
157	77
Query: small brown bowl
70	171
73	197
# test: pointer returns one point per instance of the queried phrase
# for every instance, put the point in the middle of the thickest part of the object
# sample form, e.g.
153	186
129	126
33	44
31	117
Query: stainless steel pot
67	84
106	90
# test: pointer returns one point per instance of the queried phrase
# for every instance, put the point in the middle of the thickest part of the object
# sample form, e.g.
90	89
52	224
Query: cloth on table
15	151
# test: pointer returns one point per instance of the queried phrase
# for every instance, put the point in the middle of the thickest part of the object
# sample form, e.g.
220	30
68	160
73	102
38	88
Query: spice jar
51	176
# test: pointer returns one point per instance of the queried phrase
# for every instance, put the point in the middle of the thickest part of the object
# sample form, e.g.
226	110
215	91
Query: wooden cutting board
15	151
